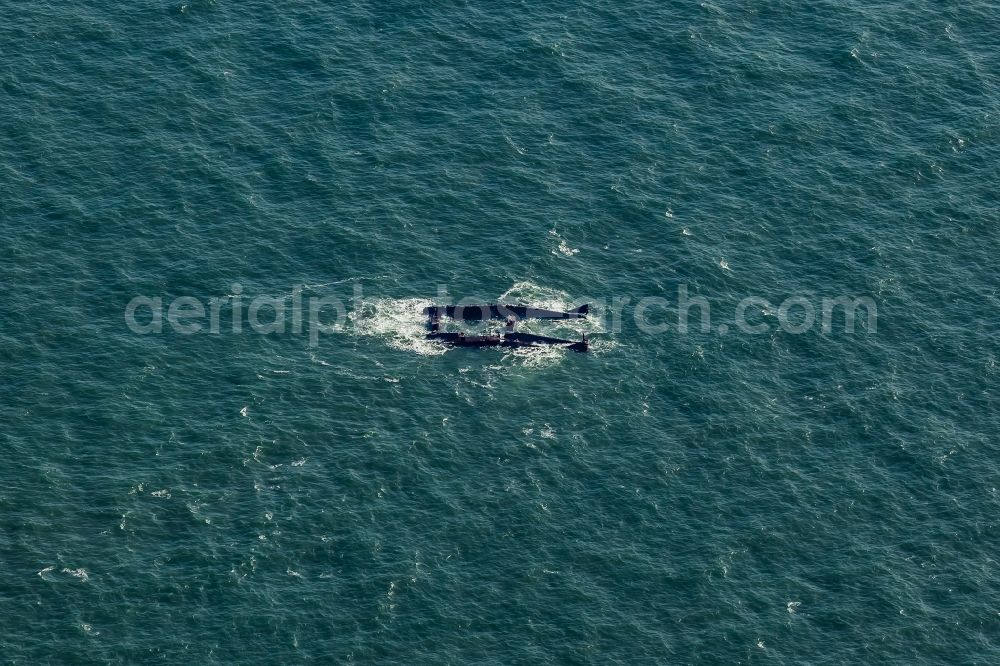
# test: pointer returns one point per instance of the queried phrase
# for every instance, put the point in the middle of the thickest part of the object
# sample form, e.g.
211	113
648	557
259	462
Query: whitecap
80	573
565	249
536	357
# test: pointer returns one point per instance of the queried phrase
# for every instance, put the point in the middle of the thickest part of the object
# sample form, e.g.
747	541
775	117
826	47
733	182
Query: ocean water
824	497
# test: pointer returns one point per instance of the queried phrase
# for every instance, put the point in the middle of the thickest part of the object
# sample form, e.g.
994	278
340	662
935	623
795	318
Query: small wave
357	278
47	574
563	248
77	573
517	148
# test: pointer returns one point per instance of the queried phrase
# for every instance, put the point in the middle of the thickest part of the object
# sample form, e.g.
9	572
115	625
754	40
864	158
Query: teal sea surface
828	497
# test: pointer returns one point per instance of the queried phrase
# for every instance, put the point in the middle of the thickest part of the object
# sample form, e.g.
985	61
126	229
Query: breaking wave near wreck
403	324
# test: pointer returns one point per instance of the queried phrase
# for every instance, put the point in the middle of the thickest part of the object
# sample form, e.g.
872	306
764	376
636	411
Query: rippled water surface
699	498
